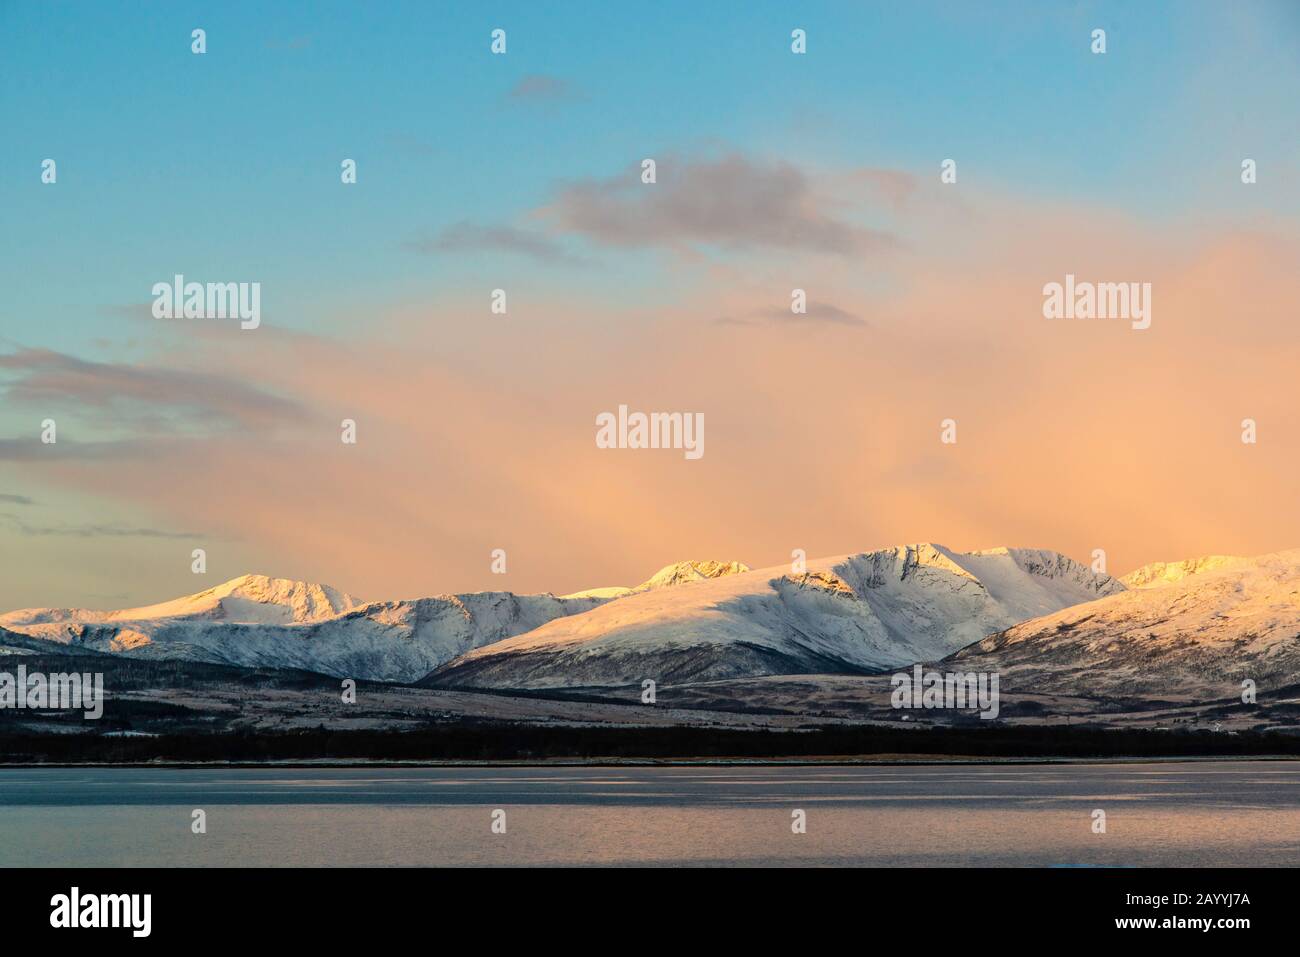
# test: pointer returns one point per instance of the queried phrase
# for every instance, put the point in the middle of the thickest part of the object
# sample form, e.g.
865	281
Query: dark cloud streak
93	530
146	397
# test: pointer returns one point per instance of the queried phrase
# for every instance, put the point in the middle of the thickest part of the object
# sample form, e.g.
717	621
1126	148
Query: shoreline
901	760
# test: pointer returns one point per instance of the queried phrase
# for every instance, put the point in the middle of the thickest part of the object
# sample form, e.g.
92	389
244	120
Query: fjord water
1244	813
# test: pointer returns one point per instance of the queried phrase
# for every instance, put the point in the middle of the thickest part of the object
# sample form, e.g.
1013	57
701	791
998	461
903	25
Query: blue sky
228	162
226	165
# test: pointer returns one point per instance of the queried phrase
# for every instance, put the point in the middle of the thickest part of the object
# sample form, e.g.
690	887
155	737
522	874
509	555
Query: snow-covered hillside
1163	573
853	613
274	622
1208	626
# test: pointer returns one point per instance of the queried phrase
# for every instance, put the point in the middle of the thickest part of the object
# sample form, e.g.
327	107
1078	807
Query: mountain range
1045	622
256	621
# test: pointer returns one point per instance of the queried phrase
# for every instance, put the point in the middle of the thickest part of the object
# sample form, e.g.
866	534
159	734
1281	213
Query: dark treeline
135	674
470	741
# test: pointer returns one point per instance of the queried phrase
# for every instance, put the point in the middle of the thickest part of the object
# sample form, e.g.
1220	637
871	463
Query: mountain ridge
1044	620
1201	634
854	613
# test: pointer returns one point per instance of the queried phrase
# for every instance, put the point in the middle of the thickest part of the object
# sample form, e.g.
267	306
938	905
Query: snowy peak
1019	582
1164	573
681	573
678	573
912	558
249	599
1052	570
1053	579
253	599
1045	563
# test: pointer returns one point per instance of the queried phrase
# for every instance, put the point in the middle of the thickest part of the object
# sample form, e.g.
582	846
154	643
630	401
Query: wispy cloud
543	88
733	202
818	312
466	237
16	499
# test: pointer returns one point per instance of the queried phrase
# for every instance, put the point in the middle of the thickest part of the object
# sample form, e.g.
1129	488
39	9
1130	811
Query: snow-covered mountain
257	621
854	613
275	622
249	599
1196	628
381	641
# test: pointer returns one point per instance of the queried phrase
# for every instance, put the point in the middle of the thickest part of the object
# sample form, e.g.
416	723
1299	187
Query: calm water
1186	814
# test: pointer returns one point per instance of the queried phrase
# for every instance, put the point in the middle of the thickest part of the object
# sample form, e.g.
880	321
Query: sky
521	171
